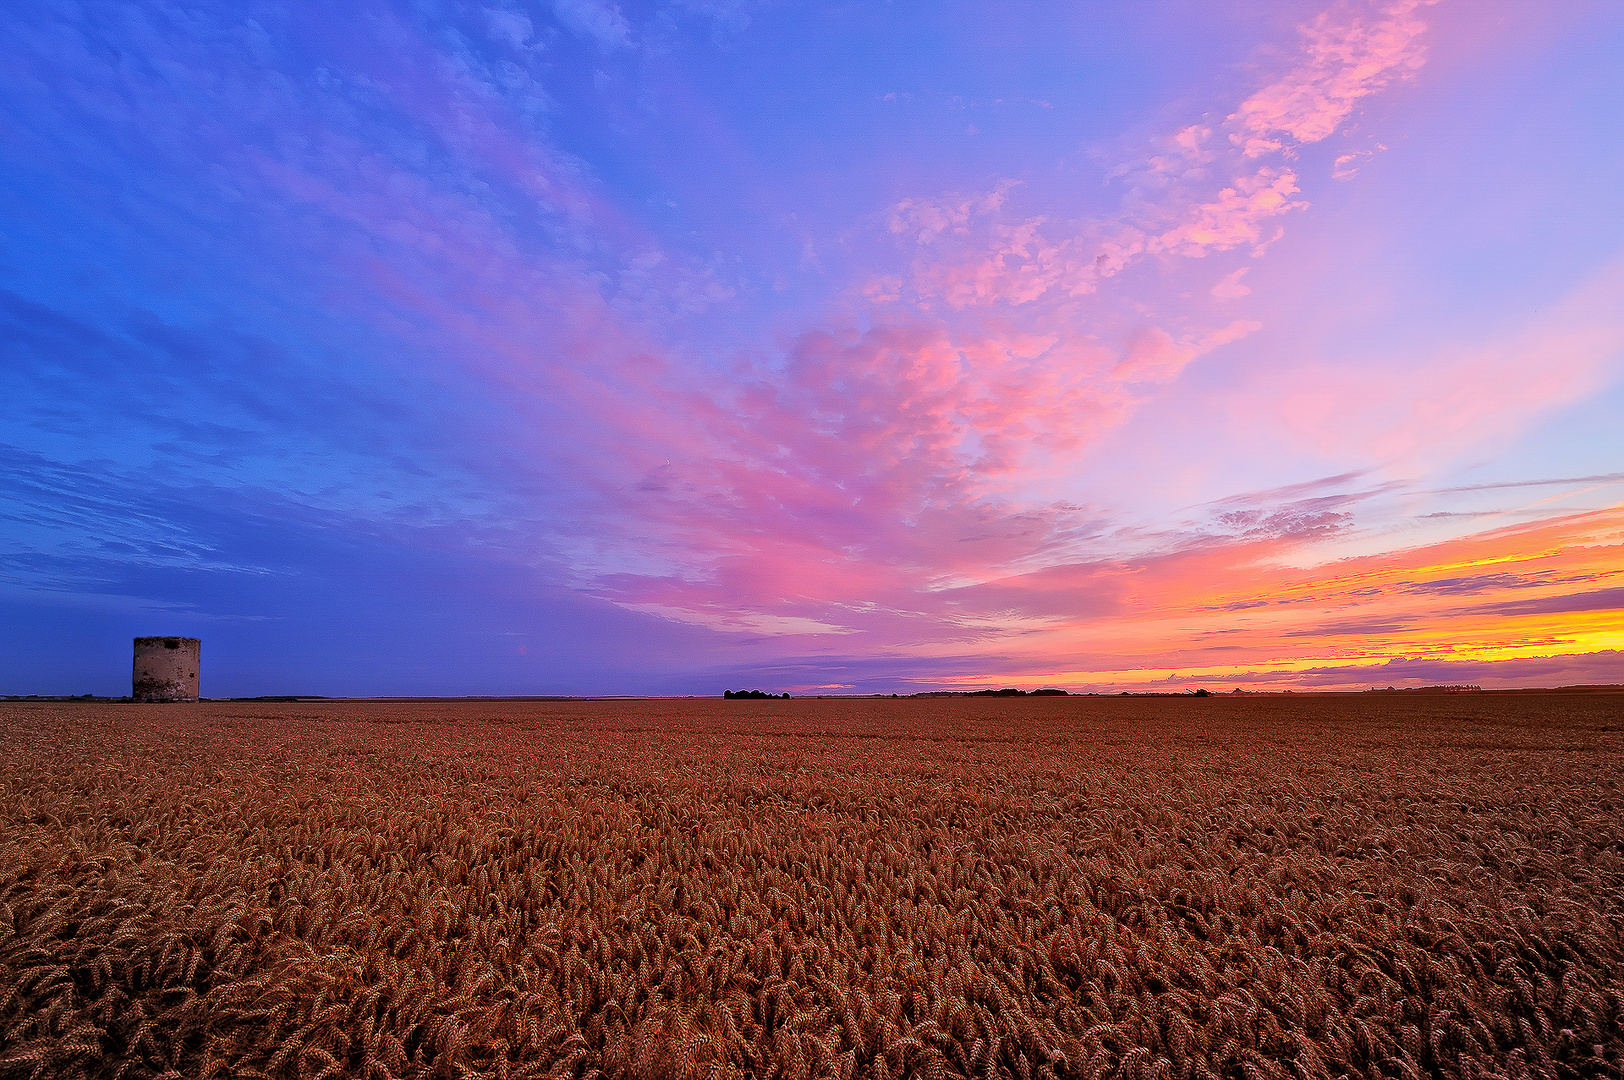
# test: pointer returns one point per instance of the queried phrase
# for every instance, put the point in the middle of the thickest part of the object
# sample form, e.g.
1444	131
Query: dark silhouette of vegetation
1452	688
734	695
1010	691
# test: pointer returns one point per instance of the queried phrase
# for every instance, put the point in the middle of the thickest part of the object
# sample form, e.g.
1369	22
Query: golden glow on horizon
1422	606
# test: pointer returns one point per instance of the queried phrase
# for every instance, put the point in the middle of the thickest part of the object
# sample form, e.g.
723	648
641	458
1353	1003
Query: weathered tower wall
166	668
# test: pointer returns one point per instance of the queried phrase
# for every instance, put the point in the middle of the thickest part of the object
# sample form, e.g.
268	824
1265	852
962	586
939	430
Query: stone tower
166	668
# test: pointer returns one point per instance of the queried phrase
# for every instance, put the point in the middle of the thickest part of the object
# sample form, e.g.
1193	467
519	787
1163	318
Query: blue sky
576	347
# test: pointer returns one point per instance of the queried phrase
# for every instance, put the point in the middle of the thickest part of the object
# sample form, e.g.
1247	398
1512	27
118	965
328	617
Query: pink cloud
1230	286
924	220
1155	356
1021	267
1235	217
883	290
1022	264
871	465
1185	154
1342	61
1346	165
976	260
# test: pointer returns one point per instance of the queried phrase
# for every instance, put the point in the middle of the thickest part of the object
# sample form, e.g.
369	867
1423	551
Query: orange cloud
1232	612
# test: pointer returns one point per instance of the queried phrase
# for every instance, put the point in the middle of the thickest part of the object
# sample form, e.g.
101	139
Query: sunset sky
578	348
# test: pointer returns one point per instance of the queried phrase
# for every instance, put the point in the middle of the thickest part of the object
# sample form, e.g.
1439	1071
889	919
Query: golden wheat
1053	888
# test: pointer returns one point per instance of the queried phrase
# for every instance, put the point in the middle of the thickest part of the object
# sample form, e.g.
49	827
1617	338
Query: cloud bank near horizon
590	337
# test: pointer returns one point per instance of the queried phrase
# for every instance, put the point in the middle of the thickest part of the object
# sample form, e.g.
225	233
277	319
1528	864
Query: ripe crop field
1360	885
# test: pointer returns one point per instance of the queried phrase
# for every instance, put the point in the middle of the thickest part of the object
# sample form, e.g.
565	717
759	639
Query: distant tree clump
1010	691
733	695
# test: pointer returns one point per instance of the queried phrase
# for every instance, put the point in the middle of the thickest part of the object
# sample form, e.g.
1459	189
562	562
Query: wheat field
1360	886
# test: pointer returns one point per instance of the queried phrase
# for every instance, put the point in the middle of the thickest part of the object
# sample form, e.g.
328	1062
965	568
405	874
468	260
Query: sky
574	347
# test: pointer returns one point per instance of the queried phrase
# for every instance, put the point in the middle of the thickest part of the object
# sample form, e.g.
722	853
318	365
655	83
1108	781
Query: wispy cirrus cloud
1174	207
